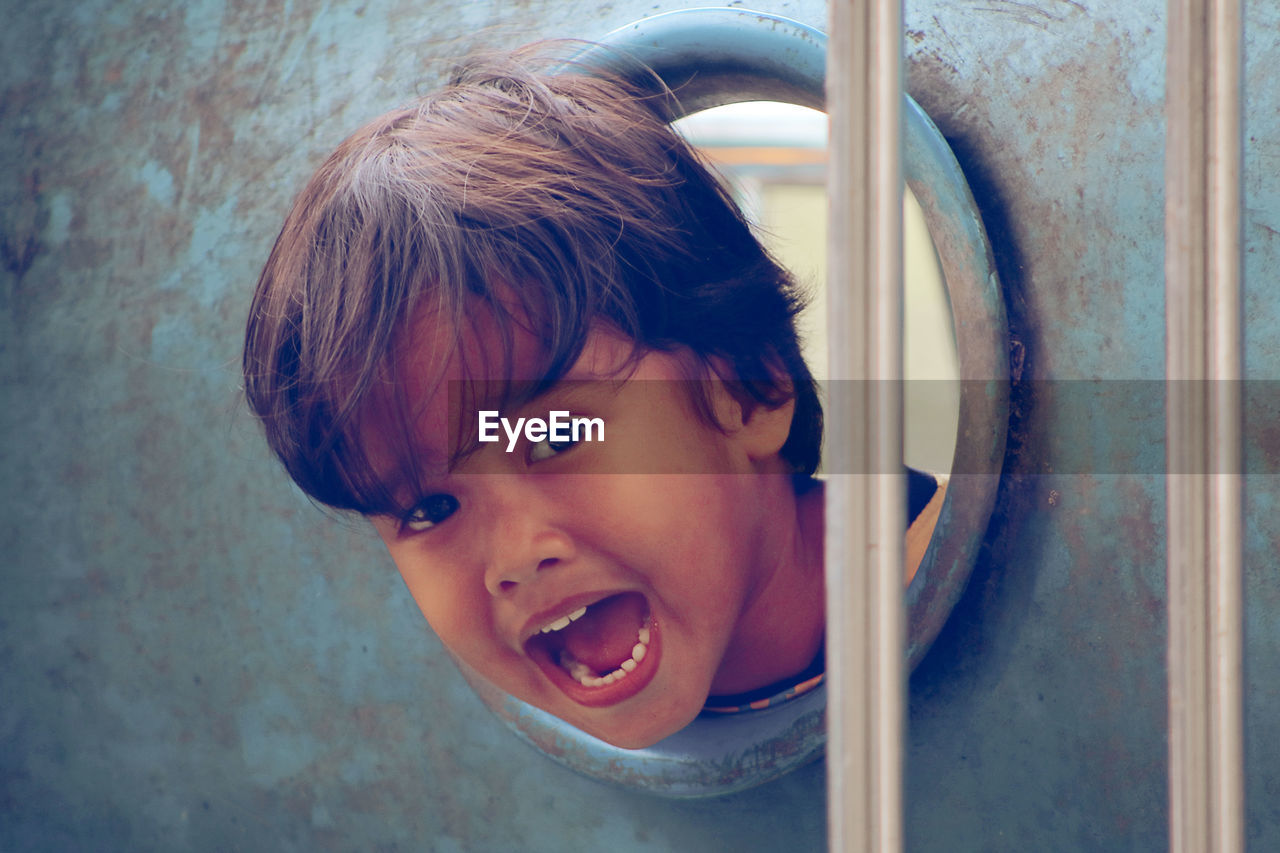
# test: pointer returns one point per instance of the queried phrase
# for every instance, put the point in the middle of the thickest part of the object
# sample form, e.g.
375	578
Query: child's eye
430	511
545	449
564	435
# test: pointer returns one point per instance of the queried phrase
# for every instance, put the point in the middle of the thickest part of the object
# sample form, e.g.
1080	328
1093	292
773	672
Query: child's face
666	551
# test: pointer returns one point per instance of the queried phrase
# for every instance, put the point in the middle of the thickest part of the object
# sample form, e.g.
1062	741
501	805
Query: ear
765	430
758	429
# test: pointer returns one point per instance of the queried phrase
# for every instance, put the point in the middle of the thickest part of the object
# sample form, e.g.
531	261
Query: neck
782	628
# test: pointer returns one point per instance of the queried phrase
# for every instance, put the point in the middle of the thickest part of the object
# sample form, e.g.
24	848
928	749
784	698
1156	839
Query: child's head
521	228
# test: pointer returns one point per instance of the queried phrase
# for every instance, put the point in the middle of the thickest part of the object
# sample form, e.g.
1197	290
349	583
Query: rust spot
1034	14
19	252
21	225
1142	533
1017	357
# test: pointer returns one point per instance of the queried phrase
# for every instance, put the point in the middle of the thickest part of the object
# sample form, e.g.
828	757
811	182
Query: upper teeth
563	621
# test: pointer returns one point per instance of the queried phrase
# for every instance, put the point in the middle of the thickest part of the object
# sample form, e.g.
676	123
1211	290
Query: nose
522	546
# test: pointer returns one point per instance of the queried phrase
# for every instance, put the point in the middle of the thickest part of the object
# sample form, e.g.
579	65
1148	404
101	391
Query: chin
642	725
637	735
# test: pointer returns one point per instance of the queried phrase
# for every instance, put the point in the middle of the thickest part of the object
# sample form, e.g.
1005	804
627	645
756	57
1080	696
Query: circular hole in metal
712	57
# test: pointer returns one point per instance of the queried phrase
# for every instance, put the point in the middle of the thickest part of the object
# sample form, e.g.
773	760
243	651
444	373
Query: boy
532	243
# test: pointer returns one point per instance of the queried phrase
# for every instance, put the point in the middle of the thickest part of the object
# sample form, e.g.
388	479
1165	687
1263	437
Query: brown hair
527	177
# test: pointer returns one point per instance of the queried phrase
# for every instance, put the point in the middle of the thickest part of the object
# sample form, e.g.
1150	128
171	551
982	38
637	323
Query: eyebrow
401	479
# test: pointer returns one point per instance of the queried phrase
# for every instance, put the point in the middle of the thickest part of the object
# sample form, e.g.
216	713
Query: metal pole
865	502
1203	422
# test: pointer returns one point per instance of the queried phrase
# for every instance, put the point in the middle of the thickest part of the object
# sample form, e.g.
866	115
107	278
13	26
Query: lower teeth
586	676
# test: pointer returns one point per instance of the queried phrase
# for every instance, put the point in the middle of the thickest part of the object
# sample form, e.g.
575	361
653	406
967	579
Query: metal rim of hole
716	56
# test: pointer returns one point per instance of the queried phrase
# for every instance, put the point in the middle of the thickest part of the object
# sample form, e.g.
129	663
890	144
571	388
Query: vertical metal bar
865	502
1204	420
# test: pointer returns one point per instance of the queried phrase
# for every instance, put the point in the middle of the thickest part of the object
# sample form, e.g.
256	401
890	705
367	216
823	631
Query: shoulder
925	494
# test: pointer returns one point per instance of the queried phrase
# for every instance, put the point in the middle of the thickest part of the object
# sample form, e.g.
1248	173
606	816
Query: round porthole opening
713	57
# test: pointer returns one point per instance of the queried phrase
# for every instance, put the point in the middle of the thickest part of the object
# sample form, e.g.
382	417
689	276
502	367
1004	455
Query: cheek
684	530
455	613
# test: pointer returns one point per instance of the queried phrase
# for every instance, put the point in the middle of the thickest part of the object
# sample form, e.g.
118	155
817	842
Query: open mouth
601	653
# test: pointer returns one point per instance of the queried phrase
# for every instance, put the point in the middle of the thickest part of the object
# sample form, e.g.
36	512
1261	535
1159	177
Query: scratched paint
192	657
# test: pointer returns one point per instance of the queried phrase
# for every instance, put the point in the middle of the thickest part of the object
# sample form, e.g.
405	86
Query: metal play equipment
192	657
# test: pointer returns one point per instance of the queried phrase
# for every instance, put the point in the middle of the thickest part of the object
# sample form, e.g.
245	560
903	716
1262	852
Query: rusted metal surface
1043	696
192	657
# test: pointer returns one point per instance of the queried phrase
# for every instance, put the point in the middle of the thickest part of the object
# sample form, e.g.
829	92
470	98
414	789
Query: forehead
445	369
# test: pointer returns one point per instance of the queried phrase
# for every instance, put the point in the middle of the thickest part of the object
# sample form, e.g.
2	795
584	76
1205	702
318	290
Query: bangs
381	462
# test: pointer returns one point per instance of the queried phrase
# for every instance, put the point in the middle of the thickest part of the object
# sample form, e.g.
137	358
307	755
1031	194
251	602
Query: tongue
606	633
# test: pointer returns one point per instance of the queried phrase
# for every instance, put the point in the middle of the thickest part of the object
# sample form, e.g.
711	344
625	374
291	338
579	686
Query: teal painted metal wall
193	657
